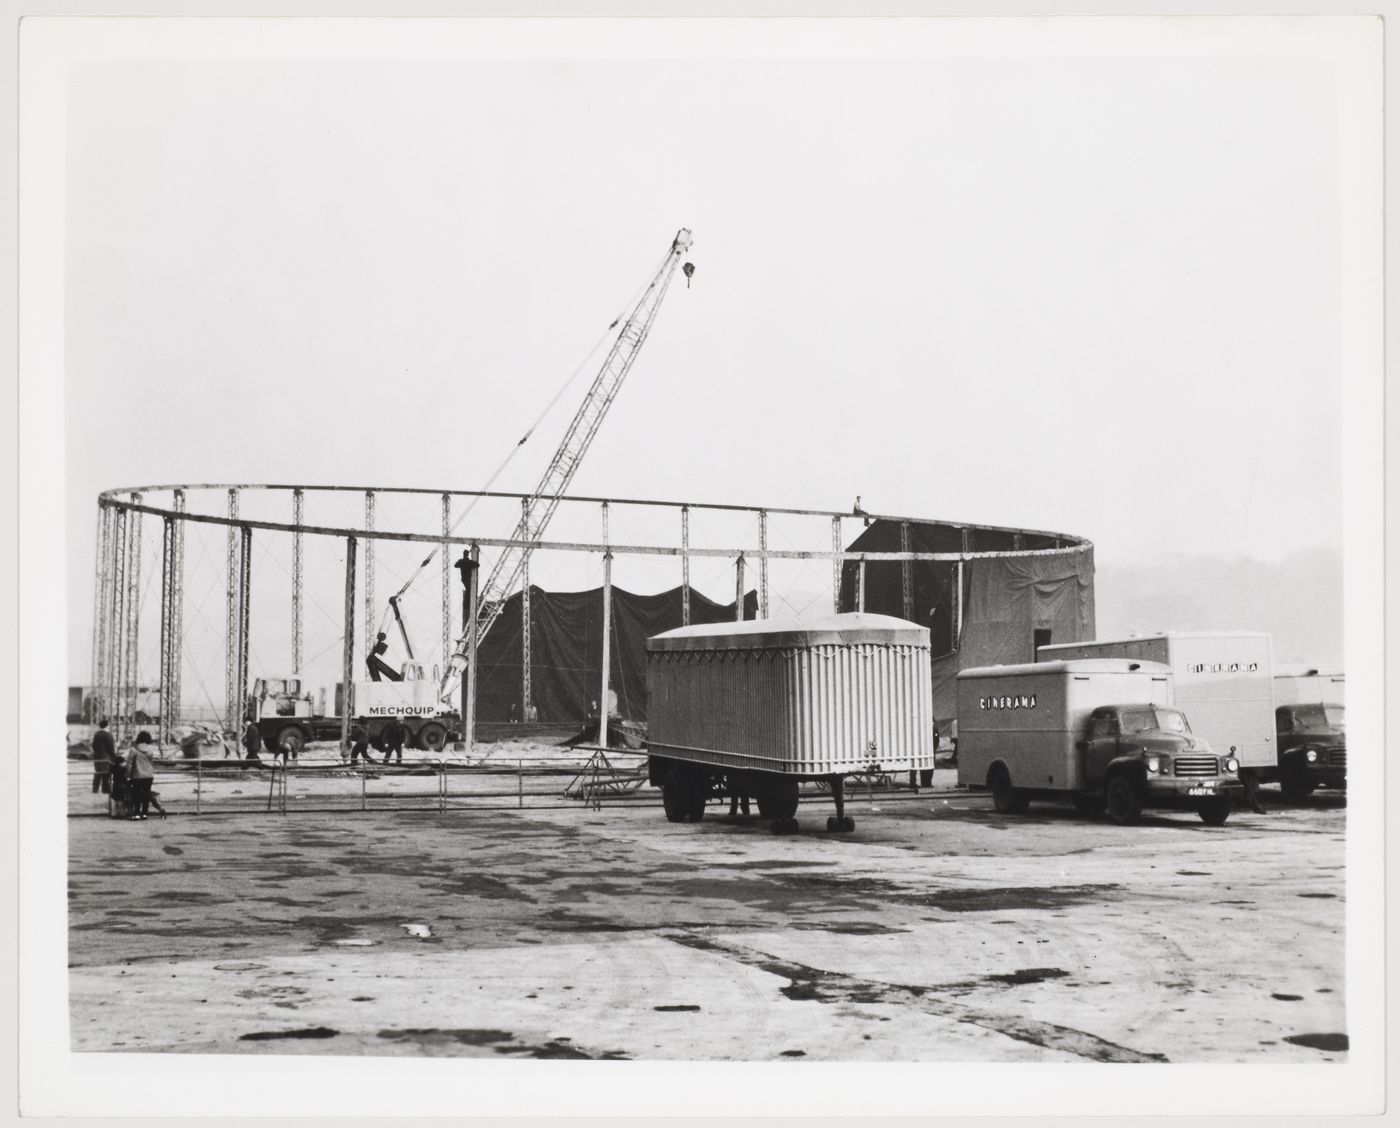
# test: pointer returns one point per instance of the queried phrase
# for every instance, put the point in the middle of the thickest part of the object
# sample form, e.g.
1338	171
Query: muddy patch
672	1007
1286	998
1331	1043
460	1036
850	928
1319	896
1015	897
310	1032
1027	975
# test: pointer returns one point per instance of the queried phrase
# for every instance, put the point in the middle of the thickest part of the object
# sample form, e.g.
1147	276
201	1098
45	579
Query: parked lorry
753	709
1097	732
1222	680
1310	721
286	714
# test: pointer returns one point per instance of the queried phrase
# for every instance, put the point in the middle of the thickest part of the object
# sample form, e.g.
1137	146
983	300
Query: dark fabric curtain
566	650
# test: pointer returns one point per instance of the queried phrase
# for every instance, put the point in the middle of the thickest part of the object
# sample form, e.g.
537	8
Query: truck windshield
1320	717
1153	719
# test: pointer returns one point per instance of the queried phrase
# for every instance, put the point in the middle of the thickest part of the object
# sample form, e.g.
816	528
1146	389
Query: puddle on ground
271	1035
1286	998
1328	1042
1027	975
678	1007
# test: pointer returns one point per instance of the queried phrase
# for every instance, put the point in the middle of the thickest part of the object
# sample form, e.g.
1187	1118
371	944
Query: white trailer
1222	680
751	709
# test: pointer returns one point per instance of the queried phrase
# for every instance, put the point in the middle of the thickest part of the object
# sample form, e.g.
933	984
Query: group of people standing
129	780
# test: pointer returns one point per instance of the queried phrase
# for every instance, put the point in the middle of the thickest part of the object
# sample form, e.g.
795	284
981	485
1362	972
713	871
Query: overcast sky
1098	295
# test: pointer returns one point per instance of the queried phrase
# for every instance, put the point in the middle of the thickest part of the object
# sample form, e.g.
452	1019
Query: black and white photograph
709	546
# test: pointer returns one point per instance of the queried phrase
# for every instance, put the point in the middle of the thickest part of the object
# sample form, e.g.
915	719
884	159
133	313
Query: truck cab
1312	747
1145	755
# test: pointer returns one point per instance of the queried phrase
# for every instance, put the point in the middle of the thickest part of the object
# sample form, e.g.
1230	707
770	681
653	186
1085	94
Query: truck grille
1336	757
1195	766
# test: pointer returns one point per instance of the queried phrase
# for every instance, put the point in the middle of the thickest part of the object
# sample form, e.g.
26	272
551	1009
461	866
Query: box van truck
1223	681
1310	722
1096	731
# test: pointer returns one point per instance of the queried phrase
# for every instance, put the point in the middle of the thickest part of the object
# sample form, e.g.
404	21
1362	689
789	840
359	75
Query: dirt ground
937	931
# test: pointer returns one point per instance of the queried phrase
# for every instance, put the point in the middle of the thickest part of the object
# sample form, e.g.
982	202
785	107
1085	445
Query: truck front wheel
1215	811
432	737
1124	803
293	739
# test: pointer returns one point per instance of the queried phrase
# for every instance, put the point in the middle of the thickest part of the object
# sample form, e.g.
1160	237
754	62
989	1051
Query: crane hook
688	269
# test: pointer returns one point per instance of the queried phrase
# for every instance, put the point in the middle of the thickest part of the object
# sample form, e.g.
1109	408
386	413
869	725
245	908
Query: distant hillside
1298	600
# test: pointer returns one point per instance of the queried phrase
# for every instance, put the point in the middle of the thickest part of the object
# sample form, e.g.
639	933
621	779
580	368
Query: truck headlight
1311	755
1153	764
1231	764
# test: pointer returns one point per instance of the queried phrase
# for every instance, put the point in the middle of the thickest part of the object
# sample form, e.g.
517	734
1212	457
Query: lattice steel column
685	565
116	597
906	572
133	612
370	611
100	609
347	657
836	563
763	564
298	505
116	629
233	710
167	569
177	613
607	649
446	582
739	589
958	621
245	589
526	648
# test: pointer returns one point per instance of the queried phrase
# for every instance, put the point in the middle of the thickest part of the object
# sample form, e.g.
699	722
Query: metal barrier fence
610	778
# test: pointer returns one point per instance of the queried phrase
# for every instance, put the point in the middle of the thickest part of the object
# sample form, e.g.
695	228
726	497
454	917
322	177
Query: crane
540	505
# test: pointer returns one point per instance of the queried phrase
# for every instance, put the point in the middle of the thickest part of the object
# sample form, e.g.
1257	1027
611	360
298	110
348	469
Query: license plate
1200	791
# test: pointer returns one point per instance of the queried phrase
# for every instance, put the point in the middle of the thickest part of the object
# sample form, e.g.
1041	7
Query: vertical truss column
446	582
473	627
860	585
906	573
167	573
233	711
298	511
245	590
177	612
526	640
607	649
100	601
133	613
115	648
763	564
958	621
685	565
347	654
370	611
836	563
739	589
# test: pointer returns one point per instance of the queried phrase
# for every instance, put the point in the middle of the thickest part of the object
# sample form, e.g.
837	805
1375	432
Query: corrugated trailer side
733	707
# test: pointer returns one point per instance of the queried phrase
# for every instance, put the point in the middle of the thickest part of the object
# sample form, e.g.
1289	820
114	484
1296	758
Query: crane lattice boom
541	504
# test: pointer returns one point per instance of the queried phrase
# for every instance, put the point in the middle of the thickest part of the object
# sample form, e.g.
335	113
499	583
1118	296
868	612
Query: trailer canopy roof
1071	666
767	634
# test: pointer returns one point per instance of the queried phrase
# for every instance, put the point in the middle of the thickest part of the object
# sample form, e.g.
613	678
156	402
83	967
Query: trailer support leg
840	821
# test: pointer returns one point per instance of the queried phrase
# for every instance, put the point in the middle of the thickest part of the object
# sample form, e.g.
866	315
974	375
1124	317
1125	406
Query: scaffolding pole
132	679
763	564
473	638
906	573
298	500
167	572
446	565
607	650
115	619
685	565
177	613
370	616
860	585
347	650
739	589
232	616
836	564
245	593
526	656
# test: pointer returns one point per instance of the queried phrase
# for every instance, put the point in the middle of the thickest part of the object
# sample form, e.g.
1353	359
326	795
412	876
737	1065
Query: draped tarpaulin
1006	600
566	650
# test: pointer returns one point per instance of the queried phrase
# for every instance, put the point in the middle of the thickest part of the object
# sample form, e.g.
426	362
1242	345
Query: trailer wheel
1005	798
671	798
844	825
293	738
778	801
432	737
1124	804
1215	811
